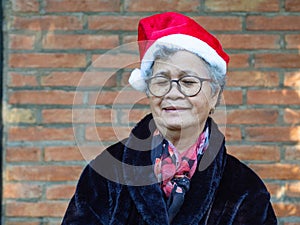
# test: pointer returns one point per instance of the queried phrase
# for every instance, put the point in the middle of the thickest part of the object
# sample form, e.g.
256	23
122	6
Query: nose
174	91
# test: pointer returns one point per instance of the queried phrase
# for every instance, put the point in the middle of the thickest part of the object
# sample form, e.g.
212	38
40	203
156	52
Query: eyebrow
189	72
181	74
164	73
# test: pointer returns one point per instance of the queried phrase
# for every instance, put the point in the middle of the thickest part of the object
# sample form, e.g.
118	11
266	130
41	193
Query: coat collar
146	193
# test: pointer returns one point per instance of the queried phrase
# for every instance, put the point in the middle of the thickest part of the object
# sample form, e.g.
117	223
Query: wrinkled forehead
180	62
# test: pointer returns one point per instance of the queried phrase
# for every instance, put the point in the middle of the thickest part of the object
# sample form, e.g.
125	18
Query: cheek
201	105
154	105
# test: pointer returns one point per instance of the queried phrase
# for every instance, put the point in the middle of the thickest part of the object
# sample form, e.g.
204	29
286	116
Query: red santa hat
179	31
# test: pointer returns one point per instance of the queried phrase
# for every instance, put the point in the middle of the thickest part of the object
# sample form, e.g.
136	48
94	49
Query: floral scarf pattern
174	170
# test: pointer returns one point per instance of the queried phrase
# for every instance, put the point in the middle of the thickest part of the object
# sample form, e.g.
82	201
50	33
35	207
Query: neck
184	138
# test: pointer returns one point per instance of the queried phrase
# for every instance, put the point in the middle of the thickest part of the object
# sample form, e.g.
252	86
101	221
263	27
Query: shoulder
96	174
249	193
108	164
238	177
115	151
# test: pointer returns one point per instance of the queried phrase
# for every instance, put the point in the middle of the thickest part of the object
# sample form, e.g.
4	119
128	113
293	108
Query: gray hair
218	78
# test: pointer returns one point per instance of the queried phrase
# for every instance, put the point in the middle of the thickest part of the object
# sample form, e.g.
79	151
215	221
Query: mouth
173	108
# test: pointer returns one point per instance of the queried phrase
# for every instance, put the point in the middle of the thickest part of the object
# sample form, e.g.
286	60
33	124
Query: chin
176	124
173	126
168	124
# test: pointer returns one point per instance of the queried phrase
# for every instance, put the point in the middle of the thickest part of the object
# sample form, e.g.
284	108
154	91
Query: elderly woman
173	168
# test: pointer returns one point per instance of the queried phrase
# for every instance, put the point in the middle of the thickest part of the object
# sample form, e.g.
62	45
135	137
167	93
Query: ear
214	98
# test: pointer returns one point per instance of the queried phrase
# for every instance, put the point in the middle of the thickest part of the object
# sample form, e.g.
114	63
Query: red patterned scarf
174	171
172	164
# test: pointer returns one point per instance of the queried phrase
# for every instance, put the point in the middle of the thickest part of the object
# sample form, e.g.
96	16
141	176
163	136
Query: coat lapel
204	182
142	183
146	193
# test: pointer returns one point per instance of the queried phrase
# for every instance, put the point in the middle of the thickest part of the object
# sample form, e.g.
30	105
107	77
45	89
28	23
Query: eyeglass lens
187	85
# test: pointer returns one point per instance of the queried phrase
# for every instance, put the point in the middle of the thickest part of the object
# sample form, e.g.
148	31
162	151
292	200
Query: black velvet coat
223	190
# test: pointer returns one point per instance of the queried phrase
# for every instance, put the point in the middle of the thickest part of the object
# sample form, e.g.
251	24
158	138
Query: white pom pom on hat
180	31
137	81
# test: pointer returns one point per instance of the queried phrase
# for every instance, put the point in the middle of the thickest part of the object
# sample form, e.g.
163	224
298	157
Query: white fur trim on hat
182	41
137	81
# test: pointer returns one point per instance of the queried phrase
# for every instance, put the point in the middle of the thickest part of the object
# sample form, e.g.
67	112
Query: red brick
43	173
49	23
242	6
21	222
129	23
273	97
22	190
46	60
278	60
292	41
129	44
53	223
292	116
80	41
78	116
62	153
113	133
292	79
239	61
82	6
22	154
233	134
22	80
273	134
68	153
252	78
158	5
222	23
276	190
79	79
283	209
21	42
48	93
121	97
125	77
60	192
36	209
256	152
277	171
280	23
292	153
293	189
292	5
252	116
40	134
25	6
44	97
254	41
118	61
133	115
128	39
233	97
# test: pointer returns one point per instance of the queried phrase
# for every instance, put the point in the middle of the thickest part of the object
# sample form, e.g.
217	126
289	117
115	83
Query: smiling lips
174	108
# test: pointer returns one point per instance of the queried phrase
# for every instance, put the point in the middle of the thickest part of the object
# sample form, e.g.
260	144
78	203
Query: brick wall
50	45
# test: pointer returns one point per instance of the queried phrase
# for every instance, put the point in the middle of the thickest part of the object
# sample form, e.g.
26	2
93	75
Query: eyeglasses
189	86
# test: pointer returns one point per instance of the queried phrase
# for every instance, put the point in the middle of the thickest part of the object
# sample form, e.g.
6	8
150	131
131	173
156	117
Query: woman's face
174	111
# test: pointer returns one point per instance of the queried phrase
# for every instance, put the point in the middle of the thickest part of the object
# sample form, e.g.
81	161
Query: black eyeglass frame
178	84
